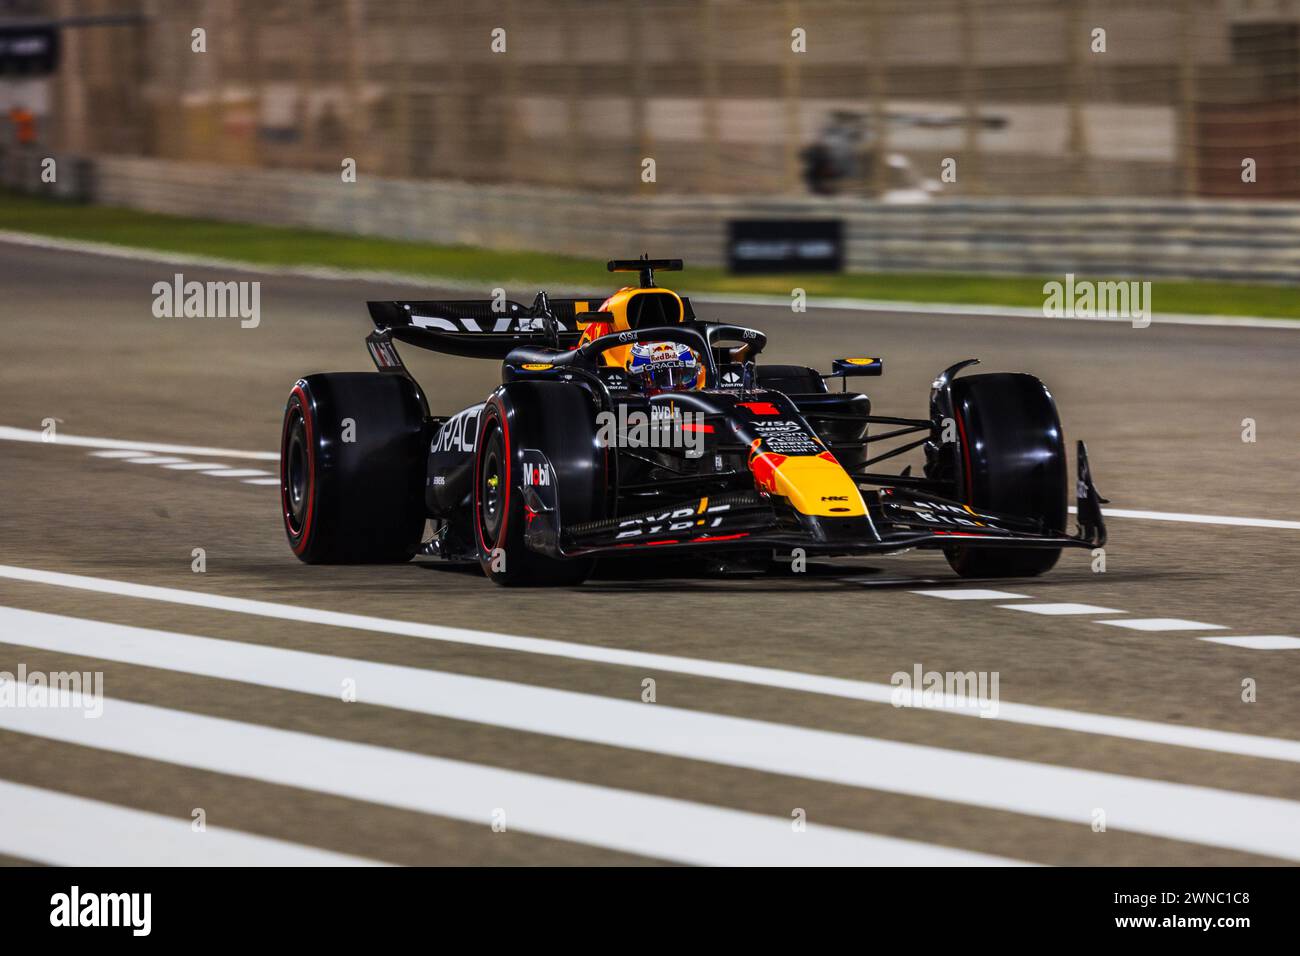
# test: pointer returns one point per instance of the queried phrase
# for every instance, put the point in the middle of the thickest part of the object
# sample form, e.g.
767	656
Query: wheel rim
492	489
297	475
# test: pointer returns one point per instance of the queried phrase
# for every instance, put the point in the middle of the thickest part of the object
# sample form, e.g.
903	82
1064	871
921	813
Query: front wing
897	520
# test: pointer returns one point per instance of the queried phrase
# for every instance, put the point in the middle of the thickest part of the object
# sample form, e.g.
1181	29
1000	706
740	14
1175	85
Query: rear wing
481	328
477	328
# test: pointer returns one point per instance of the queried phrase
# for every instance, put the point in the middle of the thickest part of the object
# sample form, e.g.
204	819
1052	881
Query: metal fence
1002	97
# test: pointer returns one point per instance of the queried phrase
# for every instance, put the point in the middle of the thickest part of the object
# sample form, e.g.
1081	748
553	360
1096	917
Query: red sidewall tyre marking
300	540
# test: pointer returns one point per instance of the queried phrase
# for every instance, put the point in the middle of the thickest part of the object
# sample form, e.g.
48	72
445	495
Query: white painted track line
972	594
658	827
1061	609
1174	811
1199	519
237	473
59	829
248	476
8	433
1260	642
1163	624
956	309
113	250
1273	748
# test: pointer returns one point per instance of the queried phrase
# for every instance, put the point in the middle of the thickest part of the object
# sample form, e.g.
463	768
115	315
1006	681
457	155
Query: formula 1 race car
629	426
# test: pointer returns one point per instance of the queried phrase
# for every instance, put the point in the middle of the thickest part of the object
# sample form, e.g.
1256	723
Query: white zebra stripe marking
1174	811
60	829
1201	738
659	827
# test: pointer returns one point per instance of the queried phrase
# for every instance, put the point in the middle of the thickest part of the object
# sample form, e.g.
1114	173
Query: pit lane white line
1200	738
1064	608
1163	624
1259	642
1157	808
972	594
60	829
1200	519
659	827
8	433
238	473
250	476
334	273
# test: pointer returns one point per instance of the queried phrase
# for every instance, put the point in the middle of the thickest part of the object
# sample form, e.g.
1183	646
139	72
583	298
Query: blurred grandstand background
1024	95
711	89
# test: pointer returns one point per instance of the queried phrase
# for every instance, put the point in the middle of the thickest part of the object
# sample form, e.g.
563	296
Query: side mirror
854	367
847	368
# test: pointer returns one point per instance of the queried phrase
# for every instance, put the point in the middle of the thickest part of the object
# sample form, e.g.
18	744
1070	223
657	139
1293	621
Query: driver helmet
665	367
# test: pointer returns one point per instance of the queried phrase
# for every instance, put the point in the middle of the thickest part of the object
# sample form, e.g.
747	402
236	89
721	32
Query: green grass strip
283	246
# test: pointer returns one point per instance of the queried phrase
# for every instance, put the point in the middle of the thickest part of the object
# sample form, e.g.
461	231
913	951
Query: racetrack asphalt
465	745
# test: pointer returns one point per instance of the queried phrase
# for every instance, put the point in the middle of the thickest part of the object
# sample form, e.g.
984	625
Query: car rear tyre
351	468
1011	460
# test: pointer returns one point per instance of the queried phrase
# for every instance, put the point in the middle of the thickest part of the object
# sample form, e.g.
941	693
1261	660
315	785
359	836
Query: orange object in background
24	125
